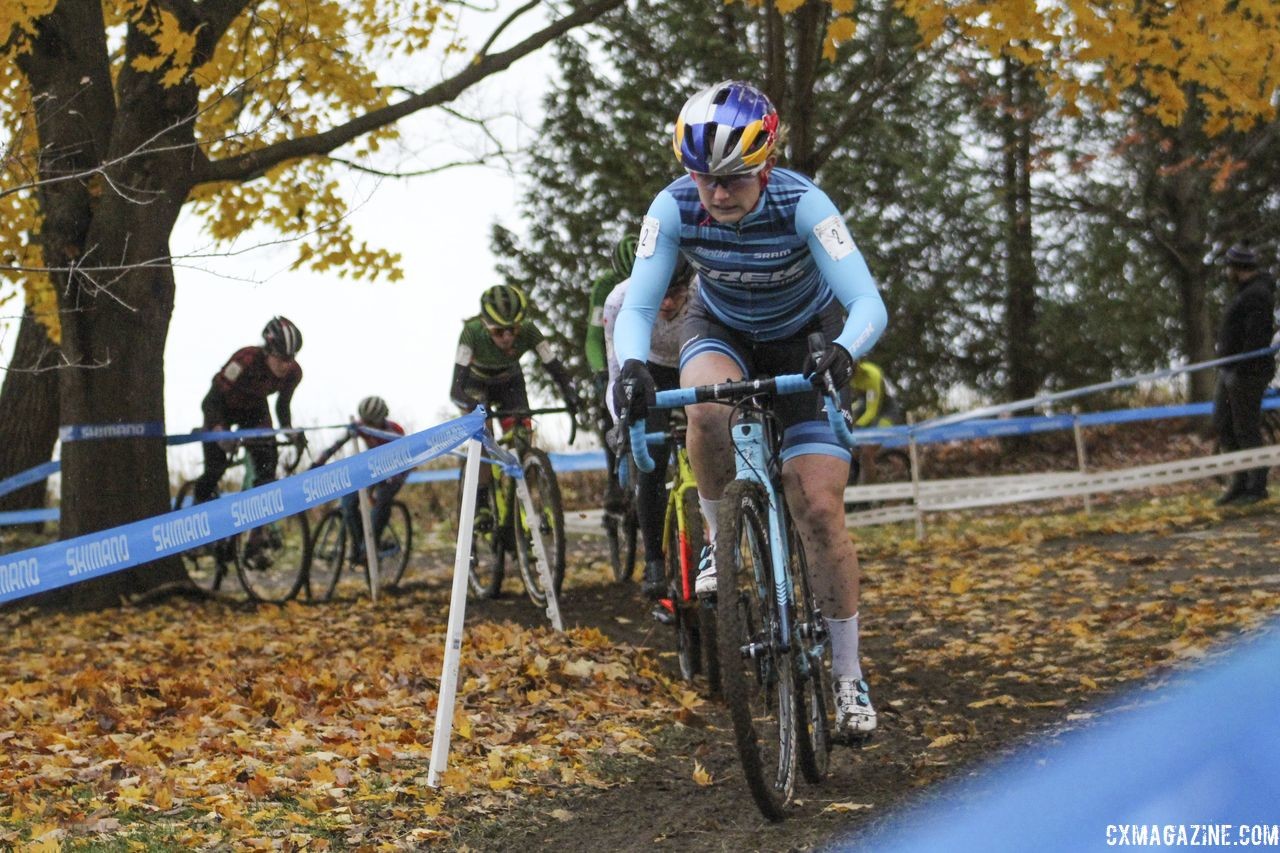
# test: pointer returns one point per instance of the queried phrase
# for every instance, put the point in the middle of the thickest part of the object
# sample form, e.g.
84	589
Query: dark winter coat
1247	324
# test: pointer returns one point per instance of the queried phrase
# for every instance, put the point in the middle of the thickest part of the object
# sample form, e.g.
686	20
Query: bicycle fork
749	456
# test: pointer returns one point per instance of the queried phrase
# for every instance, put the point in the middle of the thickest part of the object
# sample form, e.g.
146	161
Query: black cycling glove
633	391
836	360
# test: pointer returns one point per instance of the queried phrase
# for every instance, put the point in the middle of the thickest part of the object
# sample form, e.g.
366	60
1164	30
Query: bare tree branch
248	166
484	49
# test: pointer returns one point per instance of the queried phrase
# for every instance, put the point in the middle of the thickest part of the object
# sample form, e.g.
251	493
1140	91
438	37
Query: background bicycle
331	553
621	524
270	561
507	529
682	539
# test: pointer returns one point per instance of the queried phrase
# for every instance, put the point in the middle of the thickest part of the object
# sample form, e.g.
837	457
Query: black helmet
503	305
372	410
1241	256
624	256
280	337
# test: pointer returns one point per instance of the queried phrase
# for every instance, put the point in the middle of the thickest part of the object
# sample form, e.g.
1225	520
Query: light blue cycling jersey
766	276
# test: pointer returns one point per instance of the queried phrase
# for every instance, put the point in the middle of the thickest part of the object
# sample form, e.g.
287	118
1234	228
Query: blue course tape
1035	402
84	432
106	551
28	516
31	475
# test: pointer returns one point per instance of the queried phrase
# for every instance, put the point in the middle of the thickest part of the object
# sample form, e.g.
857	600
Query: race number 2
833	234
648	242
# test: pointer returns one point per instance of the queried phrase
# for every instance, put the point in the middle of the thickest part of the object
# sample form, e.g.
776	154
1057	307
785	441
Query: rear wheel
273	559
328	556
548	521
395	544
207	565
756	675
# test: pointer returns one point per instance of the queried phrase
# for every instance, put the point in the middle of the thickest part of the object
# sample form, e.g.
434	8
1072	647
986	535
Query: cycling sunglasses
729	182
501	330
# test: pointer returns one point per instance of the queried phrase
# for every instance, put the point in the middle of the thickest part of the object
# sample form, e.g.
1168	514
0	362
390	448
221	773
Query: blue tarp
1202	752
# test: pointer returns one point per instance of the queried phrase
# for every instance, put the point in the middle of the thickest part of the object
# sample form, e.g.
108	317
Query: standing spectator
1247	324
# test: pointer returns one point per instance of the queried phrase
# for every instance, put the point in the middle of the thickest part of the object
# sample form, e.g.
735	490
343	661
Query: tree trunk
28	411
1023	367
106	242
1185	193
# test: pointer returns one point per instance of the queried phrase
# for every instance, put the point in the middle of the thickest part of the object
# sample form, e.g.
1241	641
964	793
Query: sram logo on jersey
790	273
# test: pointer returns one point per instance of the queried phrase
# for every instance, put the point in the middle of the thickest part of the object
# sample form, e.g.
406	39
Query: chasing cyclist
873	407
238	397
775	262
664	367
595	349
487	366
371	420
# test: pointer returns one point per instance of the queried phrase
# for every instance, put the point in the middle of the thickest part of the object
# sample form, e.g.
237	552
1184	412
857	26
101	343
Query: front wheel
547	522
328	556
489	546
756	674
621	530
395	544
681	549
273	559
813	676
207	565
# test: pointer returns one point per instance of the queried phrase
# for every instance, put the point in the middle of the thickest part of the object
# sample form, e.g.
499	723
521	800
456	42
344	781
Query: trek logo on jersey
790	273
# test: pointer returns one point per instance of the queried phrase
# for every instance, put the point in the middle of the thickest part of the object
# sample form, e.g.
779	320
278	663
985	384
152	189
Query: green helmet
624	256
503	305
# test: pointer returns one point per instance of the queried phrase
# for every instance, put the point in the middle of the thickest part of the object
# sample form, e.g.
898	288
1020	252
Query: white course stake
540	551
457	612
370	543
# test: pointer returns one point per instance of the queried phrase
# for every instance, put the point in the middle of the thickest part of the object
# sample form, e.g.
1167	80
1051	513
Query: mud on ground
995	631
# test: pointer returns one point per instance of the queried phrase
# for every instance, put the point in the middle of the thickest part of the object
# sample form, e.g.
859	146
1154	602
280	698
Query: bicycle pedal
663	616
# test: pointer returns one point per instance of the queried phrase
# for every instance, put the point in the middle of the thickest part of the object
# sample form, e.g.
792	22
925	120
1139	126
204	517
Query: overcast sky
398	339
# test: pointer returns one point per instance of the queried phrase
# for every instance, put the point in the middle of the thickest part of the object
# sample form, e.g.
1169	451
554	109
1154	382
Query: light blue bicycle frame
753	458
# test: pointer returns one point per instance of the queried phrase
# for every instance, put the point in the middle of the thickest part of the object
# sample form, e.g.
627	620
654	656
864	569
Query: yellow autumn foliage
280	71
1083	49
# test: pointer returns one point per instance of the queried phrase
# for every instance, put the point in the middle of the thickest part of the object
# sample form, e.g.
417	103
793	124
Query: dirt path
978	642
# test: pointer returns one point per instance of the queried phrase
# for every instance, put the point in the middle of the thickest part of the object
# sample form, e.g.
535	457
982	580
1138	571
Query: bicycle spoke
756	674
273	559
328	556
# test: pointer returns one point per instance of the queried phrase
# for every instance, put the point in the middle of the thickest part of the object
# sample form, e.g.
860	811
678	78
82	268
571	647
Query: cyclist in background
595	349
487	366
775	262
372	413
238	397
873	406
664	367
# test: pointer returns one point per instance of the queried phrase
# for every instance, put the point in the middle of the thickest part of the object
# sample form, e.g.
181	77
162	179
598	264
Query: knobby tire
758	689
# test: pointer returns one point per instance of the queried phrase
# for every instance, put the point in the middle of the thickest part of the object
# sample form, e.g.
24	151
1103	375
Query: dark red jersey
245	381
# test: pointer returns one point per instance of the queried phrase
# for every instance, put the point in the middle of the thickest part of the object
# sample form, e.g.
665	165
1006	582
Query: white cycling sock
710	514
844	647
